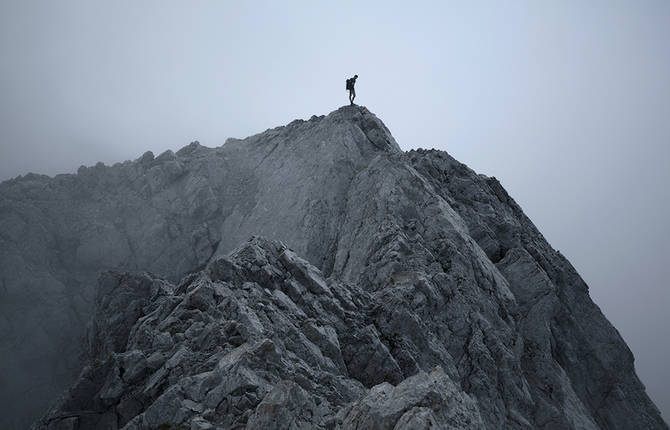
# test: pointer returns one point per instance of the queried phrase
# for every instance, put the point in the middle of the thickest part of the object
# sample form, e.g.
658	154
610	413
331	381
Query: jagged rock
287	406
390	265
261	371
278	368
424	400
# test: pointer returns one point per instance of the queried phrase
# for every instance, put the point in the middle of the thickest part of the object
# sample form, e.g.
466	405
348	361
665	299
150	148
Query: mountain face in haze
311	276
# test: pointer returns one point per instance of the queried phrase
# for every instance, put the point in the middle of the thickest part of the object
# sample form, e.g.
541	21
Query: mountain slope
260	339
166	214
436	283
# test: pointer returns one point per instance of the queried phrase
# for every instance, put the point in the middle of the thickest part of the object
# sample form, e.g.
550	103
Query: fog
566	103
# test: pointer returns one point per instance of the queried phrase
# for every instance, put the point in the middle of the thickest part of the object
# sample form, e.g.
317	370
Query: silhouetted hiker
350	86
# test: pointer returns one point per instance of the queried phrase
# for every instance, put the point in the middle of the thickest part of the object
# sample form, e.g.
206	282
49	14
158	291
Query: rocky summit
311	276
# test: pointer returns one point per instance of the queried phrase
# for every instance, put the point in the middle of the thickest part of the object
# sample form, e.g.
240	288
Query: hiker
350	86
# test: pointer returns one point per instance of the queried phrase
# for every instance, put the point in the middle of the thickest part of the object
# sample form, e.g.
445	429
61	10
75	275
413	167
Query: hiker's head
355	76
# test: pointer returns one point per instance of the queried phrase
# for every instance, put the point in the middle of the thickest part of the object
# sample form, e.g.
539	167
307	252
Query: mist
566	103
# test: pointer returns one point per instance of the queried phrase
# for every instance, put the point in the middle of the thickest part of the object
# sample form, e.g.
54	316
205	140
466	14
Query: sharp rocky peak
379	289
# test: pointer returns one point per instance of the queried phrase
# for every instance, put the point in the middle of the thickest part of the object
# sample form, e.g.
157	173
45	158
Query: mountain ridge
58	232
455	276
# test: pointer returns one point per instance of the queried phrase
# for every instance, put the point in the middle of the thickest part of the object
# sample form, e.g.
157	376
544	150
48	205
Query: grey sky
566	102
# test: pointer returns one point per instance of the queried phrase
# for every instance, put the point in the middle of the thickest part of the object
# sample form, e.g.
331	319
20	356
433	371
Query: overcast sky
567	103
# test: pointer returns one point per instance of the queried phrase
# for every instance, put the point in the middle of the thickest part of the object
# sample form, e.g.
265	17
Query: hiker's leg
352	96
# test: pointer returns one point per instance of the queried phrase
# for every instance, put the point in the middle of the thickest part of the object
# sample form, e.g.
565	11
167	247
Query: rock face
385	290
261	339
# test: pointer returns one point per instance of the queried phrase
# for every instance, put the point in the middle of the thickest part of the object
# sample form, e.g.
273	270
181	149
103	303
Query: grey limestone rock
424	400
379	289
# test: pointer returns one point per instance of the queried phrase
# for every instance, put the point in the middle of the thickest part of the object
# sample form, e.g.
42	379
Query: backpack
348	84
